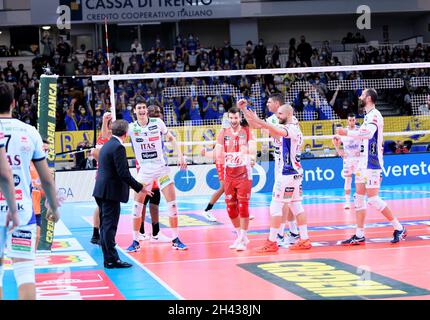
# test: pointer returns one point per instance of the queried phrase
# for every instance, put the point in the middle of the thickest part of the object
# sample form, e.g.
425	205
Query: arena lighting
46	27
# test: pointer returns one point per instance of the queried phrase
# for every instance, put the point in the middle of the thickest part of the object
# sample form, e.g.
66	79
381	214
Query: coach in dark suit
113	187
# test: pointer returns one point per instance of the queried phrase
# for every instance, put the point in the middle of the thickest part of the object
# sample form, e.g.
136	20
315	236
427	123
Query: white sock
292	225
242	234
396	224
282	229
304	232
273	234
175	233
359	232
237	232
347	198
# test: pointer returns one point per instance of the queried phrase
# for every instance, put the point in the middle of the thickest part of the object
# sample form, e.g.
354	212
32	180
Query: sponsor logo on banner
331	279
185	180
83	285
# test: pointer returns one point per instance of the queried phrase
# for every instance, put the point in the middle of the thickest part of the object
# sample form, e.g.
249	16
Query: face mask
317	81
129	108
345	106
308	149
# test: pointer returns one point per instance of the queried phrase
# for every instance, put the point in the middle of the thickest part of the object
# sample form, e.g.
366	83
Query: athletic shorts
350	166
237	190
288	188
21	243
160	174
372	178
155	199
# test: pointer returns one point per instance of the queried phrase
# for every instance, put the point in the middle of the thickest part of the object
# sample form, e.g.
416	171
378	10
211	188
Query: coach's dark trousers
109	217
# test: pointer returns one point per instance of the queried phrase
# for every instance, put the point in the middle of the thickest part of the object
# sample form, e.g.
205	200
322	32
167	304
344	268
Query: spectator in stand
227	51
424	109
304	52
191	43
136	45
194	111
85	119
70	119
348	39
292	51
210	109
275	54
260	52
307	154
63	49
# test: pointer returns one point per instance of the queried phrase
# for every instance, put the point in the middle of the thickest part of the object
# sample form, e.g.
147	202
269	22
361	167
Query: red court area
377	270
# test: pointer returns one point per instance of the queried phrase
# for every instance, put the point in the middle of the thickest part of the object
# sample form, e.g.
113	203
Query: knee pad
276	208
1	275
296	208
137	210
244	209
348	182
377	203
232	209
172	209
359	201
24	272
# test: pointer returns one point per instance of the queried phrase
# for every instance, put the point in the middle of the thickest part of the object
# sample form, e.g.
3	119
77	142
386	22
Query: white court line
153	275
307	252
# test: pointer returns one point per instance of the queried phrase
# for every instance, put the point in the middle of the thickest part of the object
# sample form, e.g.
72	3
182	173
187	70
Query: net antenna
111	80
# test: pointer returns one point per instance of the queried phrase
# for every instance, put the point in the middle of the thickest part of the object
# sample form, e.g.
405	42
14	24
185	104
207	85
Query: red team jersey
235	146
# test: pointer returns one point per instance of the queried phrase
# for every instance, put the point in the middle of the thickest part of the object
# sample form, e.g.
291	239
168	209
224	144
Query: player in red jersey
103	137
236	148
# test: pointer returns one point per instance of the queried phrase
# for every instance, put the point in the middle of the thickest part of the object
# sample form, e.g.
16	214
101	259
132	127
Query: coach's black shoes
95	240
354	241
399	235
117	265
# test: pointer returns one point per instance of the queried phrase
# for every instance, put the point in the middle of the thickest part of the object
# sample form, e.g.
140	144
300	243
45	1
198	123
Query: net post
112	98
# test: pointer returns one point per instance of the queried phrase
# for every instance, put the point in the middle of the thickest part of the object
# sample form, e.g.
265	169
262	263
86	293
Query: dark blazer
114	179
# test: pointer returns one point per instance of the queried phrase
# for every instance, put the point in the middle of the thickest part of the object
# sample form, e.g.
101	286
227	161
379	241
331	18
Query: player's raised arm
364	133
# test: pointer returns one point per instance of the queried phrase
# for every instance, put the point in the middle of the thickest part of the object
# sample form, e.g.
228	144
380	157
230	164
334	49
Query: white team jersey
23	144
372	150
288	157
273	119
351	146
148	143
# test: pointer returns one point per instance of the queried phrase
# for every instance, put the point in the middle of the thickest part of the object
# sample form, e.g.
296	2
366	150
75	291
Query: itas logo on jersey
147	146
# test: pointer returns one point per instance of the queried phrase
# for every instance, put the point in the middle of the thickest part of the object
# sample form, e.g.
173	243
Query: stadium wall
319	173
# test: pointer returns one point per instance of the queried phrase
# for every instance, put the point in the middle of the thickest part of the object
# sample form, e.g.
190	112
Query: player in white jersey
23	145
350	155
147	136
7	192
274	102
368	177
287	188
